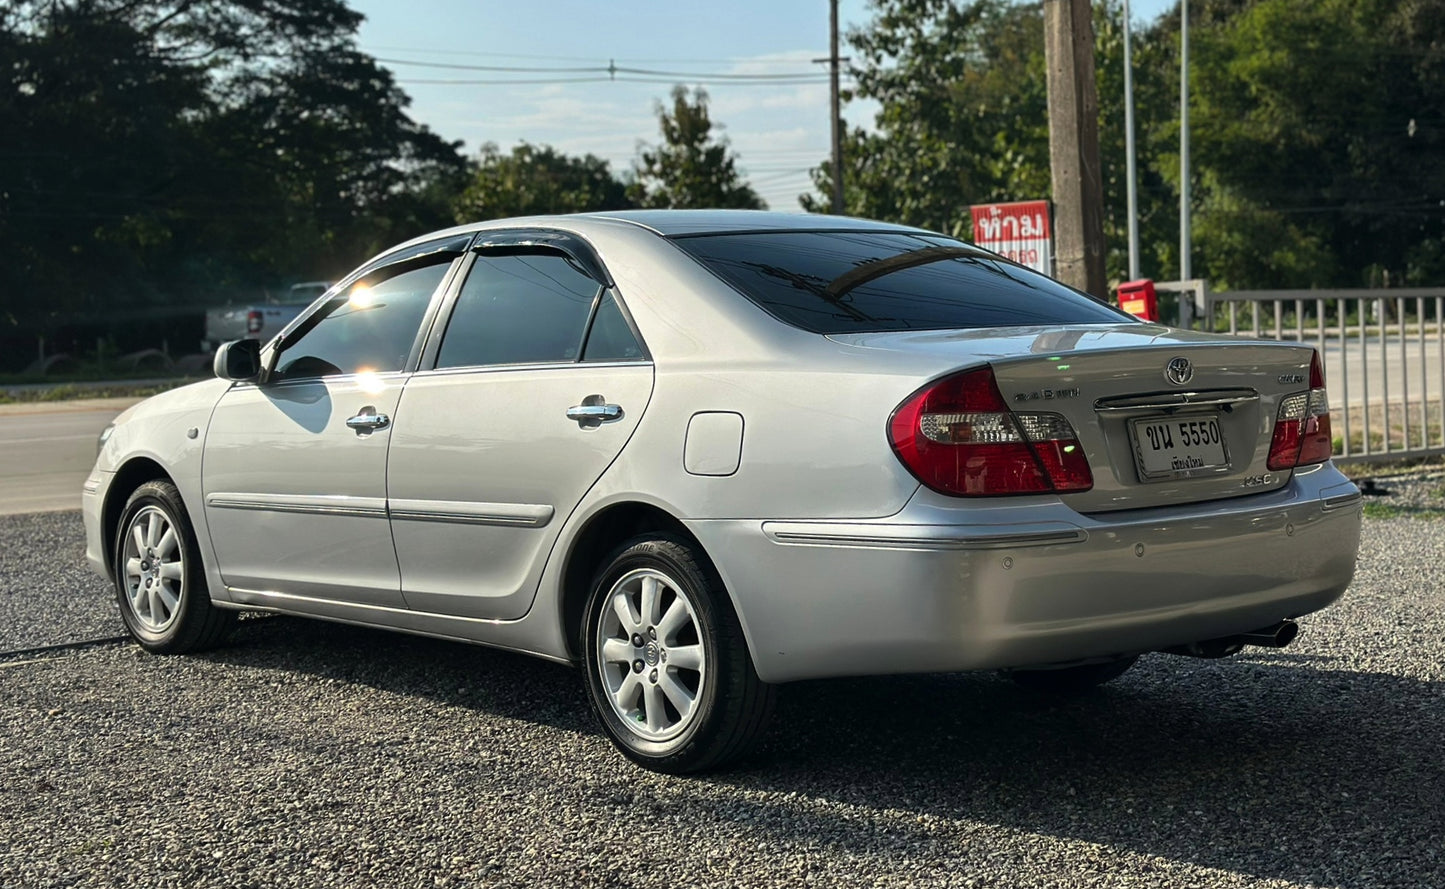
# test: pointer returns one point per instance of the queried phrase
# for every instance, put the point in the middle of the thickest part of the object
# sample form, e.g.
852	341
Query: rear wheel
1073	680
159	582
667	669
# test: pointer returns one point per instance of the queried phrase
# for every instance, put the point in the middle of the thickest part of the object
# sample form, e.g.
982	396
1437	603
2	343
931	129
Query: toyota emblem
1179	371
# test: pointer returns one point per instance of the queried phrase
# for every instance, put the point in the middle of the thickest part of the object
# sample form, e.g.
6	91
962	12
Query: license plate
1179	447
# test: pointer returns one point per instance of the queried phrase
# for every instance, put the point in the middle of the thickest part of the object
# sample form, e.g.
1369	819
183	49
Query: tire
160	584
1073	680
675	690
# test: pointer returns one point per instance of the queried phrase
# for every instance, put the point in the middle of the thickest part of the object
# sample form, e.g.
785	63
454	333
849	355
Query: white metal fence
1384	354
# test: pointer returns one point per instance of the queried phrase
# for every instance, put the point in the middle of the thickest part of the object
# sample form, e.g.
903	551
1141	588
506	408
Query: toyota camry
702	453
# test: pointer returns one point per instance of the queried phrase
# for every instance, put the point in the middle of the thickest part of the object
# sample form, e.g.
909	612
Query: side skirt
504	635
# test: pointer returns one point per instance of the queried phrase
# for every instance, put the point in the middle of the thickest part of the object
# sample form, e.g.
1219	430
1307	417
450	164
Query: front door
294	475
295	498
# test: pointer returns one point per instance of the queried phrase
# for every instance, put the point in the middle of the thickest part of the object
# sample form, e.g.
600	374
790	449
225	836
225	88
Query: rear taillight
958	436
254	321
1302	425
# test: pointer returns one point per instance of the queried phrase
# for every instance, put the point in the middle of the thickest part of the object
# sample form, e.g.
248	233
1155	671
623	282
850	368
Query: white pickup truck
259	321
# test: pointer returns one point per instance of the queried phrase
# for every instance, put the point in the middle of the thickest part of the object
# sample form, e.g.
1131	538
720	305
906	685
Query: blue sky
778	127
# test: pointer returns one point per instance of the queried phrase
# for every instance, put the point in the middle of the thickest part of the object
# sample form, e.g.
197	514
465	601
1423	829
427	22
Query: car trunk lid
1164	417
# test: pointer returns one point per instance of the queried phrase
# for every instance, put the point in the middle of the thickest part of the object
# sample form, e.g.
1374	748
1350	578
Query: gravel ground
308	754
48	596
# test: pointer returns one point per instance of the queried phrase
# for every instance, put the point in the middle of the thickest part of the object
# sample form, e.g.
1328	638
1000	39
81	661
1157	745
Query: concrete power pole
1185	236
1078	183
836	109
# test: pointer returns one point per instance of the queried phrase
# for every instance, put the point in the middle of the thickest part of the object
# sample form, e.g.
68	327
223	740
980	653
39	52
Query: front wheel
667	669
159	582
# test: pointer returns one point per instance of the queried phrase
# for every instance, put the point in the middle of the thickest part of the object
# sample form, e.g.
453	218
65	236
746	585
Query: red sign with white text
1019	231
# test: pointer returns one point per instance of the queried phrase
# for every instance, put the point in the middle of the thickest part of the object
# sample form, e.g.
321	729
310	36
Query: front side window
523	307
369	327
862	282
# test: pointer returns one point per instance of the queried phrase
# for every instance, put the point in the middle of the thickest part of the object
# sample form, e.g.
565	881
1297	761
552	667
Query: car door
535	381
294	474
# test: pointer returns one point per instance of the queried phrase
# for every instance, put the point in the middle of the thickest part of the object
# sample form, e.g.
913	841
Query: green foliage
692	168
163	153
964	113
1318	151
537	179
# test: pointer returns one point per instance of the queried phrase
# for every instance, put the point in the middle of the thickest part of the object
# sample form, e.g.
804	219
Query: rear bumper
944	587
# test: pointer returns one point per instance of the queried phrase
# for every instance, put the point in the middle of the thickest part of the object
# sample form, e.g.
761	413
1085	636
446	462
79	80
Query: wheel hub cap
152	569
650	655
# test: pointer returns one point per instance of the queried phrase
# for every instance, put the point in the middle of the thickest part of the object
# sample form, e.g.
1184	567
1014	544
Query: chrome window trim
504	368
336	378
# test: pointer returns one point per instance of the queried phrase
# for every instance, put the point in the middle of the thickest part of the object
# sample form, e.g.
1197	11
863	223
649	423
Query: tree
692	167
1317	159
1320	158
536	179
963	117
159	154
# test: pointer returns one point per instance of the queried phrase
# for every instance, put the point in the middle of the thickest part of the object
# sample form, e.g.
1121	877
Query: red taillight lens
959	437
1302	425
254	322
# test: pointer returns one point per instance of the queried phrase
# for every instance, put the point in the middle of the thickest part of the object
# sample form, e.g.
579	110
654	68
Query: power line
754	60
698	79
611	69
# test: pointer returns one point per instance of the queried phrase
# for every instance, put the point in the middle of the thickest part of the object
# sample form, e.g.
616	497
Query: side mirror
239	361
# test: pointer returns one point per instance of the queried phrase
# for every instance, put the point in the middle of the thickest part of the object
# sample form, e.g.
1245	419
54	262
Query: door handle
368	420
593	411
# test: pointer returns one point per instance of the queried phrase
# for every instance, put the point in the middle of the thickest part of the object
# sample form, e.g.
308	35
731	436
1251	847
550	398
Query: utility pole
836	109
1185	272
1129	151
1078	184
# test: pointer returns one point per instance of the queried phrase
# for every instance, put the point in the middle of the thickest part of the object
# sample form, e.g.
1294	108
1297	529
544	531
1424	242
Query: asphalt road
308	754
47	450
1360	373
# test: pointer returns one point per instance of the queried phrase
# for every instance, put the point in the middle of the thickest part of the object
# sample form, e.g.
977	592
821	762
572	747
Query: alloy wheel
650	655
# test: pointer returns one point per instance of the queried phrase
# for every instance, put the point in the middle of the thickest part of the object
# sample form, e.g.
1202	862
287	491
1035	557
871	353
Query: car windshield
861	282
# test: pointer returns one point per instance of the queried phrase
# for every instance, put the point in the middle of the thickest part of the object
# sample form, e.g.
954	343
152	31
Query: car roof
679	223
670	224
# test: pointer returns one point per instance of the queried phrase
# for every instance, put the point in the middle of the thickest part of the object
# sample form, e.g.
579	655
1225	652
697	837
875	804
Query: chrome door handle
597	412
368	420
593	412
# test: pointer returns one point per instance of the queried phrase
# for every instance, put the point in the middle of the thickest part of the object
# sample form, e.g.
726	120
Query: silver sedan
703	453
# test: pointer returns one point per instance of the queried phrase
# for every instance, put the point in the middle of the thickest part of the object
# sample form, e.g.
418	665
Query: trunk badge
1179	371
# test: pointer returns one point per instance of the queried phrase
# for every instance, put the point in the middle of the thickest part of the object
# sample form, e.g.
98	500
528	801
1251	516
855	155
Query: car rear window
860	282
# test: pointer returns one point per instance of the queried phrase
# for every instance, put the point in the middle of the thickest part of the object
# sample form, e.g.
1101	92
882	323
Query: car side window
519	308
611	338
369	327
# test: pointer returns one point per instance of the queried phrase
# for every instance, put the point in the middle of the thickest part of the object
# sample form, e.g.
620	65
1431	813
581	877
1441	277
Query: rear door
533	385
294	475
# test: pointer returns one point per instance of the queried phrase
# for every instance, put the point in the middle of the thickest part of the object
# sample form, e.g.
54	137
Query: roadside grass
1376	509
73	391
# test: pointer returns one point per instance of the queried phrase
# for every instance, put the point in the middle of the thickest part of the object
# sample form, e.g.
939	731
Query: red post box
1139	299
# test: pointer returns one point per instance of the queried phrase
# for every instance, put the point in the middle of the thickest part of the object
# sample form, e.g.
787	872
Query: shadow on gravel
1253	765
485	679
1271	765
